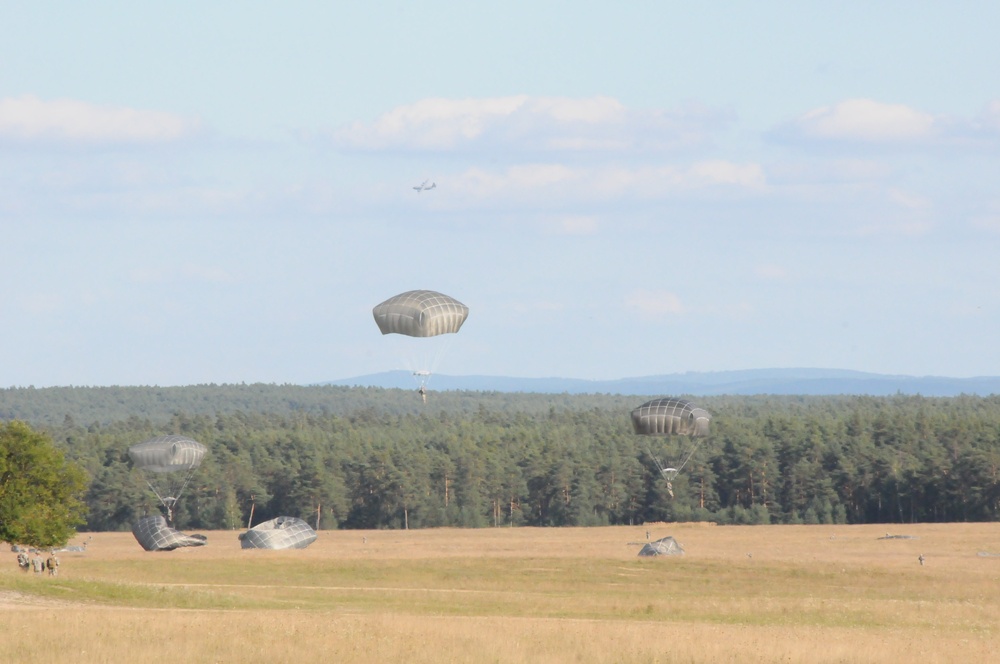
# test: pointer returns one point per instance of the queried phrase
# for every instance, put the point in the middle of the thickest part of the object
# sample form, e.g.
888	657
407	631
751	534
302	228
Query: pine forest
374	458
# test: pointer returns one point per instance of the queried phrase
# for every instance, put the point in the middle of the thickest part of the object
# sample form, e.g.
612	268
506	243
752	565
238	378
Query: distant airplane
423	186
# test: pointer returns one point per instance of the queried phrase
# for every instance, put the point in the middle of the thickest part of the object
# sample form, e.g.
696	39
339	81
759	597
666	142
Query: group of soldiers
37	564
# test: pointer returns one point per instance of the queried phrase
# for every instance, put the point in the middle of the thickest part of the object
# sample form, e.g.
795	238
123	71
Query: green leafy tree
41	493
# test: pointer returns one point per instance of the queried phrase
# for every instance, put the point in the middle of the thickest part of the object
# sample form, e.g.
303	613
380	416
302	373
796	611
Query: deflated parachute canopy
667	546
153	534
284	532
420	313
167	454
670	416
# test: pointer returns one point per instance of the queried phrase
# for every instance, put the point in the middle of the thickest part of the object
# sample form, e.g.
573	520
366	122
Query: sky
198	194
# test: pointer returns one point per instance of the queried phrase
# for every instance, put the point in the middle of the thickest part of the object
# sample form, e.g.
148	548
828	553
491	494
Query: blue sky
212	195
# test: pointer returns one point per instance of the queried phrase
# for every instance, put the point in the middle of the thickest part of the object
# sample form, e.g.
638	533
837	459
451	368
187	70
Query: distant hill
751	381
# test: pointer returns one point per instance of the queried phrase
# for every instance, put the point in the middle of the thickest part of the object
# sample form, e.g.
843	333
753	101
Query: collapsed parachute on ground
153	534
421	314
669	417
284	532
666	546
167	463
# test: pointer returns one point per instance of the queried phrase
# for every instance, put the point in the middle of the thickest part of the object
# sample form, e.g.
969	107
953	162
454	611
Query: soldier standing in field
52	564
37	563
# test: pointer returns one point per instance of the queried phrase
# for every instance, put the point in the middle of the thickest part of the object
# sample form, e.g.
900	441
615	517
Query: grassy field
739	594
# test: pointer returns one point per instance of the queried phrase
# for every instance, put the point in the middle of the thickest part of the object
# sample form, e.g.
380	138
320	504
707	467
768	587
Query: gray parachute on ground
420	313
153	534
666	546
284	532
167	463
672	417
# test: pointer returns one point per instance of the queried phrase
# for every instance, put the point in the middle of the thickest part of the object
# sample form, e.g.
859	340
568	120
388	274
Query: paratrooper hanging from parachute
167	464
420	314
672	417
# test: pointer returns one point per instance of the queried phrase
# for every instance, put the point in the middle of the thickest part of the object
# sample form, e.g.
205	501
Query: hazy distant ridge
751	381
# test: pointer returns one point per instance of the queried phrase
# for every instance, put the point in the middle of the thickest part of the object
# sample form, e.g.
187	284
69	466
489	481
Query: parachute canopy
167	454
284	532
670	416
153	534
666	546
420	313
167	464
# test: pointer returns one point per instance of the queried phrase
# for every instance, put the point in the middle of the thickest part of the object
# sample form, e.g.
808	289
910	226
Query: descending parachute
672	417
284	532
153	534
420	314
167	464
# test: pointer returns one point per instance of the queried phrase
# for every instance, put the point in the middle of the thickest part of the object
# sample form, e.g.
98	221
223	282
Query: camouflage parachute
666	546
167	463
420	314
284	532
669	416
153	534
672	417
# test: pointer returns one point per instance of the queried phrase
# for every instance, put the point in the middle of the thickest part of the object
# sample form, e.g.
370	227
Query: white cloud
429	124
834	171
28	118
657	303
41	303
523	123
575	225
901	227
557	182
990	117
207	274
727	172
864	120
910	219
771	272
908	200
987	222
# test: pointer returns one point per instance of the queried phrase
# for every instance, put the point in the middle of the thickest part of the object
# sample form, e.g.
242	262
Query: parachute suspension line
169	501
440	350
153	489
160	462
659	466
425	357
187	480
419	314
694	448
424	364
672	417
669	473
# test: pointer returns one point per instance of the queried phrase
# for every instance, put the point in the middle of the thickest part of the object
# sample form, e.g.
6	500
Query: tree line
371	458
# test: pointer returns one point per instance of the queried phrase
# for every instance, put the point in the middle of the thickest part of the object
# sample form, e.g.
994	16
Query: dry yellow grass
740	594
